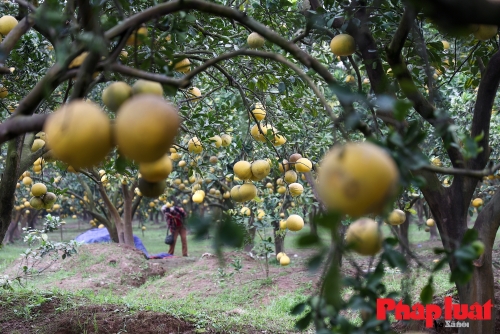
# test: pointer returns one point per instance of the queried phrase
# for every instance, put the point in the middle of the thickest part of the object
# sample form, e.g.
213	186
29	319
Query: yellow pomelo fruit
123	55
235	193
182	163
255	40
175	156
282	223
294	223
436	162
285	168
258	112
477	202
48	201
3	92
446	45
195	146
79	134
151	189
396	217
346	184
257	135
350	79
141	33
37	168
290	176
343	45
198	198
147	87
485	32
296	189
36	203
145	127
430	222
364	237
281	189
260	169
78	60
194	93
260	214
38	189
216	141
245	211
278	140
226	140
303	165
226	195
279	255
247	191
7	23
243	170
37	144
157	170
183	66
116	94
284	260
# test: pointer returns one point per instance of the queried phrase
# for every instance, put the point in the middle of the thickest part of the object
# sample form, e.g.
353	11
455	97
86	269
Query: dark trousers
182	231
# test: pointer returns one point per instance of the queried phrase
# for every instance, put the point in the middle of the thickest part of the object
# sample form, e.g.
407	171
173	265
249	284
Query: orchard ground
106	288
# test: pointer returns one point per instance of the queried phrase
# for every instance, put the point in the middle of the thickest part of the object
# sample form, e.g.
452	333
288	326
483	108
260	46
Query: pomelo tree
280	78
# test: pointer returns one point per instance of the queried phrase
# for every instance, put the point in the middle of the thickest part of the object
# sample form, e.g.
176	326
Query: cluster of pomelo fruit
41	198
259	130
81	134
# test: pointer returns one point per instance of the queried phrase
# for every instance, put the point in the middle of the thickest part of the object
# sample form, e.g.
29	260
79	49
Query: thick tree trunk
127	215
403	233
8	184
279	241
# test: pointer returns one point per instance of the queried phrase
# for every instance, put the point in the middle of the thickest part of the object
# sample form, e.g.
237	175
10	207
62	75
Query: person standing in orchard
175	216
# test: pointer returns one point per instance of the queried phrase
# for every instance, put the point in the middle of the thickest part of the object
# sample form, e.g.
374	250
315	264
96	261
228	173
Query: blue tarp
98	235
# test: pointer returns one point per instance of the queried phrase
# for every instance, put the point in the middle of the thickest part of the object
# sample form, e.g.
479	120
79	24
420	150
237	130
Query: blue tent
98	235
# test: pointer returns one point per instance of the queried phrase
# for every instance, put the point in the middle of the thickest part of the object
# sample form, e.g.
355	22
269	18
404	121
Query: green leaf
304	322
427	293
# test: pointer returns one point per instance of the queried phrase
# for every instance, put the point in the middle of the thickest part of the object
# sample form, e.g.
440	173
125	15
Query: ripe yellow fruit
446	45
257	135
296	189
255	40
3	92
350	79
347	185
260	169
226	195
198	197
483	32
477	202
226	140
145	127
343	45
78	60
284	260
294	223
278	140
260	214
243	170
245	211
194	93
279	255
157	170
281	190
245	192
258	112
290	176
303	165
175	156
285	168
116	94
430	222
364	237
183	66
141	33
36	203
216	141
151	189
38	189
397	217
37	144
282	222
48	201
195	146
182	163
7	23
79	134
436	162
147	87
123	55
